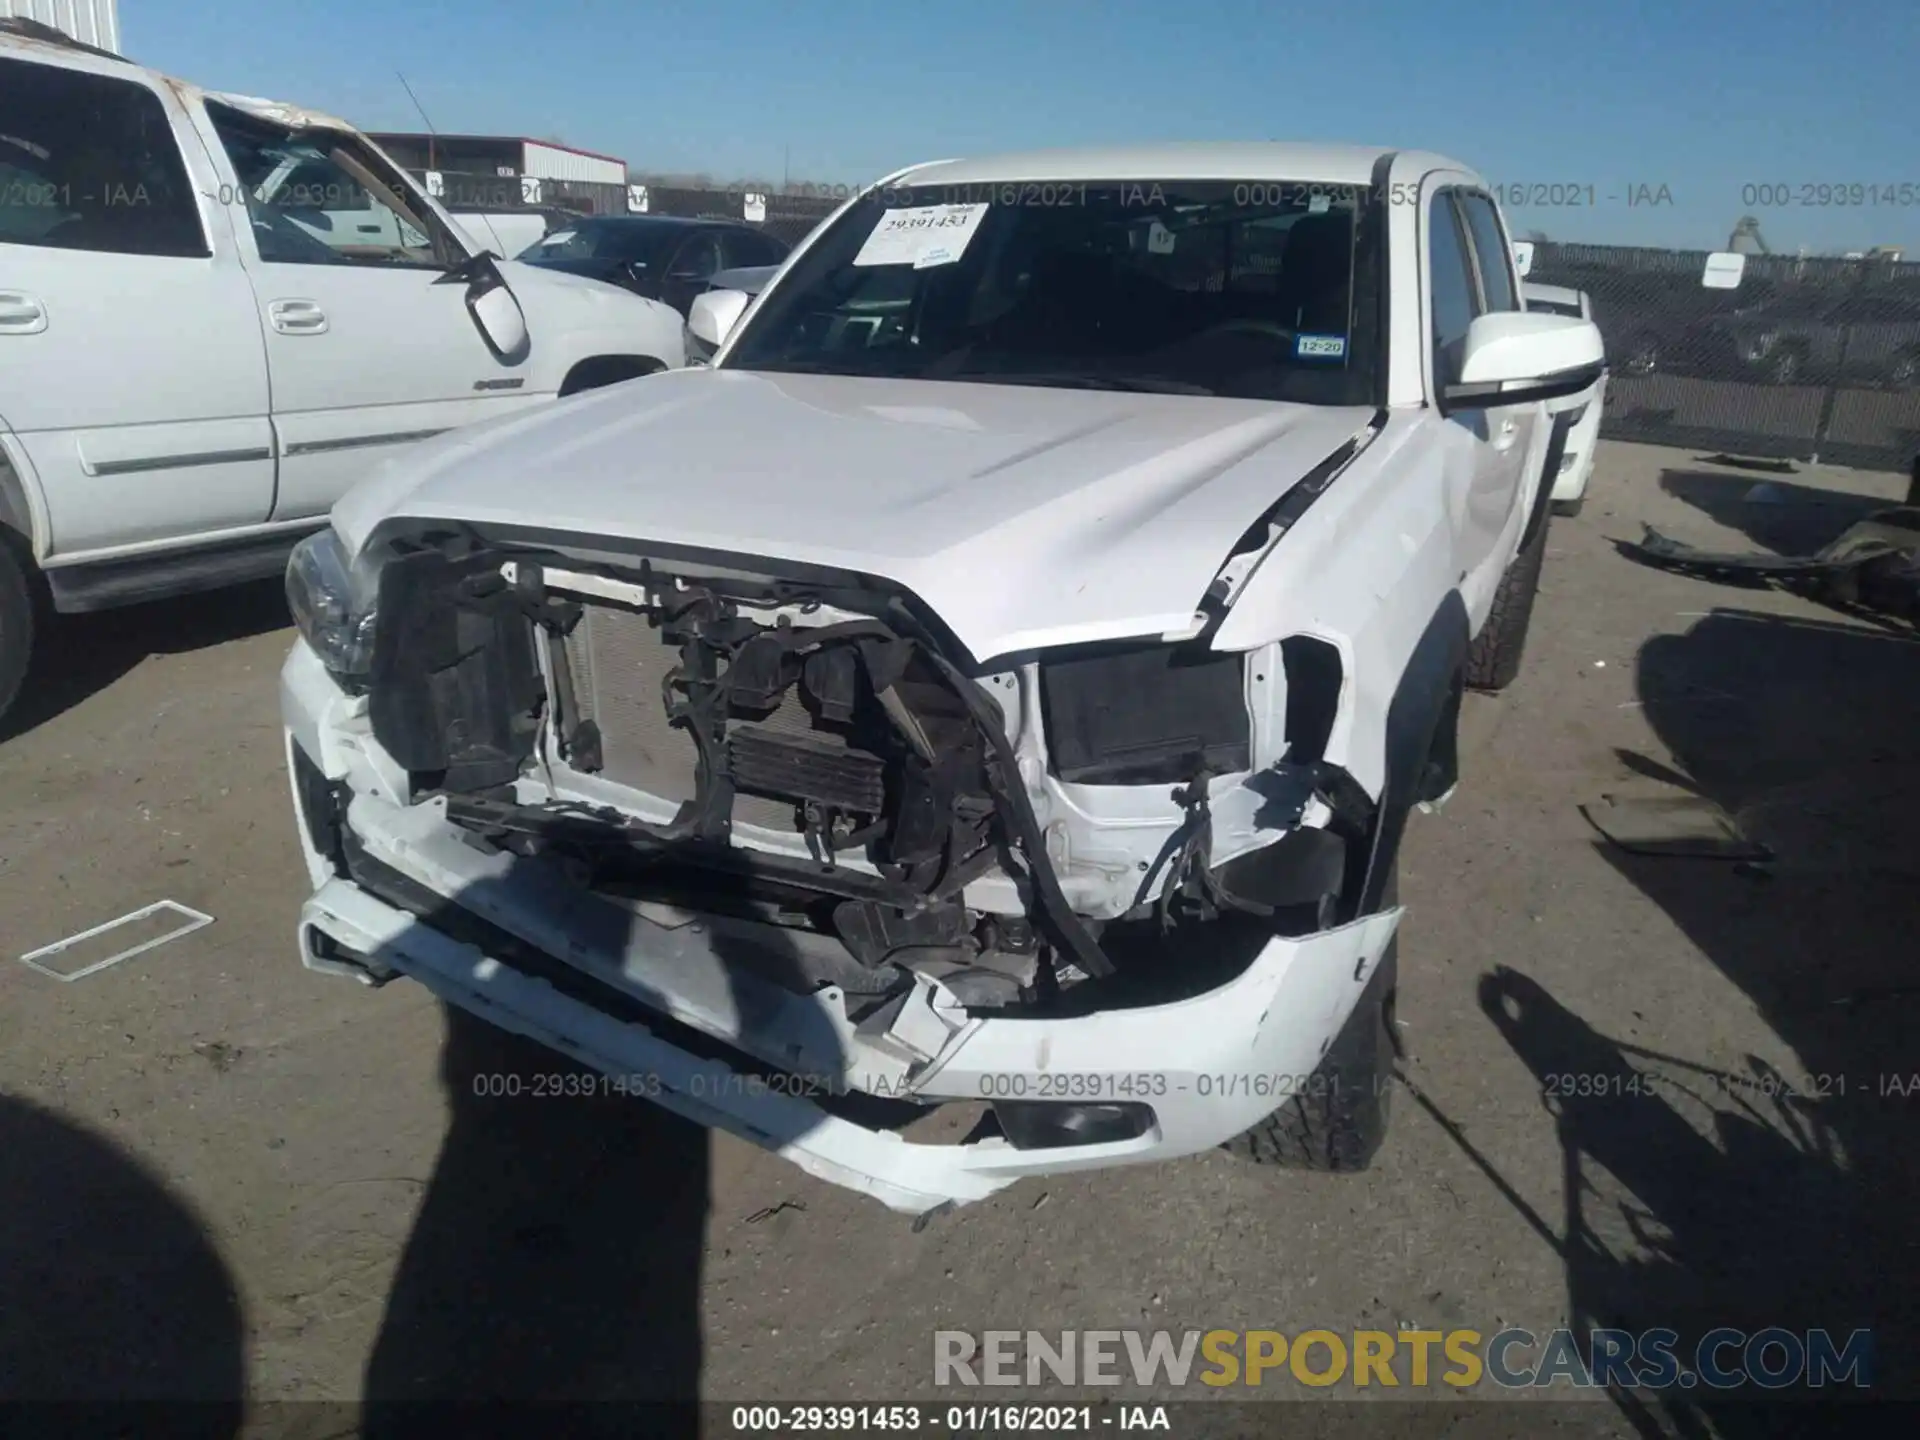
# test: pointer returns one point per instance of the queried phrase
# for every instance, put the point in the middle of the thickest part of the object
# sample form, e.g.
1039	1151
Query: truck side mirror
714	314
1517	357
491	303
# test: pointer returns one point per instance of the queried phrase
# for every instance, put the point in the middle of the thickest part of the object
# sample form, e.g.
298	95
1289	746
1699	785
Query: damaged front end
715	802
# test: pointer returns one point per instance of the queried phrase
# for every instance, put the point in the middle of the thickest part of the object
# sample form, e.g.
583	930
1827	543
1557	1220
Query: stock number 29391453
1073	1085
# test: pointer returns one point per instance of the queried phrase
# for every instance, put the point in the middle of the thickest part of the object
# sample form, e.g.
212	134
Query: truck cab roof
1194	160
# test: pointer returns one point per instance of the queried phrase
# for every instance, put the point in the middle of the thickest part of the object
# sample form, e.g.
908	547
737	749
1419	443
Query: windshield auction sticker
921	236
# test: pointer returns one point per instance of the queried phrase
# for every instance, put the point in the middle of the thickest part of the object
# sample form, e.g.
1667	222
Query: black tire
605	370
1494	659
1340	1121
17	616
1569	508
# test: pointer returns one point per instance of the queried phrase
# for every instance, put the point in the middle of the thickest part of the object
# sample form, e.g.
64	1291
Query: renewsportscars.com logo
1510	1359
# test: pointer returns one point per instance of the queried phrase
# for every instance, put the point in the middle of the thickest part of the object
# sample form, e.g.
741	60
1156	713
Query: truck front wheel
17	618
1339	1119
1493	661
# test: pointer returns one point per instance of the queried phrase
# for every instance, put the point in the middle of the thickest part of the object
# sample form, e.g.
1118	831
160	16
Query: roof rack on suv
46	34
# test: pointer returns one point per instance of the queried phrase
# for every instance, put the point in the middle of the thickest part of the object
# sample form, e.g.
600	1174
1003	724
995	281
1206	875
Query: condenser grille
619	660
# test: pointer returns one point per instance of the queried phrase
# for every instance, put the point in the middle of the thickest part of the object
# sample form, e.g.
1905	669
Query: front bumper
1209	1067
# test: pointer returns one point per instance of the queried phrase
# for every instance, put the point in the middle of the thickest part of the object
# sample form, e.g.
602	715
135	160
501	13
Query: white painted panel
551	162
92	22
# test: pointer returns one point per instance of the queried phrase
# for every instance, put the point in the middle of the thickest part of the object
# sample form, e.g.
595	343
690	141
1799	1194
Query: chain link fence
787	216
1806	359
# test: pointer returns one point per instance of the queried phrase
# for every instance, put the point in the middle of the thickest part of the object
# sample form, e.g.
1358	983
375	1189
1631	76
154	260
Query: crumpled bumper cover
1208	1067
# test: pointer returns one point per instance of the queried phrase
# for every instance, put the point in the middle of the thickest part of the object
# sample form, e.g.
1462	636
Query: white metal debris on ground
194	920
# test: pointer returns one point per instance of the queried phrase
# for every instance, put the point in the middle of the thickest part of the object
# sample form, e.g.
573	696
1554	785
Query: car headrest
1318	244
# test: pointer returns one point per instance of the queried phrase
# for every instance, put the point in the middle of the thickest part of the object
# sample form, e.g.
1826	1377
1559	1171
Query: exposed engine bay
810	757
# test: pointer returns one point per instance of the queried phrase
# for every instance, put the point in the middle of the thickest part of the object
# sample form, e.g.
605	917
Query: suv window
1452	293
1491	249
697	259
320	197
88	162
744	248
643	241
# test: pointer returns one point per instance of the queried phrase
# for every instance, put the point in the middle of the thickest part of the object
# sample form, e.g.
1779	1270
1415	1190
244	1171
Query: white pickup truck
216	314
997	684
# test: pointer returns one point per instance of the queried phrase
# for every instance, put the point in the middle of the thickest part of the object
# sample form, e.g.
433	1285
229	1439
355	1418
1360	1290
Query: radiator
618	660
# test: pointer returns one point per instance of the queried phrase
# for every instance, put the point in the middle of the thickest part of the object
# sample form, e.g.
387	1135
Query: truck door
1489	450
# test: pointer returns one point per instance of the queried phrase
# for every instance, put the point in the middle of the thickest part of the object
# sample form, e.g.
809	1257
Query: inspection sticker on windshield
1319	347
921	236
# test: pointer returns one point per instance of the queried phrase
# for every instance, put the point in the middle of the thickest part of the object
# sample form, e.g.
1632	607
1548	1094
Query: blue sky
1704	97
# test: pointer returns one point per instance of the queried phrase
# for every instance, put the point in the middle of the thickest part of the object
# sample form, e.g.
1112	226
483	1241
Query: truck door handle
297	317
21	314
1504	437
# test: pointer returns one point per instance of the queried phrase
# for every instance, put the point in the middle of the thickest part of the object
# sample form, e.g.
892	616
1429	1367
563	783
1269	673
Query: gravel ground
229	1176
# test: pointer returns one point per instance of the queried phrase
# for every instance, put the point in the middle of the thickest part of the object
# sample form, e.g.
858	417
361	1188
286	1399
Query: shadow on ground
1702	1194
556	1257
78	656
1776	514
111	1292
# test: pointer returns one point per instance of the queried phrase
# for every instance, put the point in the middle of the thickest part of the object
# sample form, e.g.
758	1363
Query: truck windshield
1259	290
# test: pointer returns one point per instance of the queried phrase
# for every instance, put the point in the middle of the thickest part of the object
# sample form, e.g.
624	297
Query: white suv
998	684
216	313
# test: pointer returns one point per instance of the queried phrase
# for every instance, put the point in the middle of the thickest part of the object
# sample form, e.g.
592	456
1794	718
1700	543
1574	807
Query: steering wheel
1247	325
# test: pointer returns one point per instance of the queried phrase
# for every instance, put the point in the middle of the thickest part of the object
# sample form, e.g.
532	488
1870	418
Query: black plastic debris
1873	567
1673	825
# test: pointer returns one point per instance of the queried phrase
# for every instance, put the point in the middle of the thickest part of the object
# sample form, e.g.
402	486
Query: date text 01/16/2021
946	1419
1151	1084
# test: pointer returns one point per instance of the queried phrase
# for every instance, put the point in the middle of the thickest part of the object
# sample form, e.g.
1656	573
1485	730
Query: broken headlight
332	603
1144	713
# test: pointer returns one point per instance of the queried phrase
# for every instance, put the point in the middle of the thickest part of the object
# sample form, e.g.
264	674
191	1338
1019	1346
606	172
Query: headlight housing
1144	712
333	605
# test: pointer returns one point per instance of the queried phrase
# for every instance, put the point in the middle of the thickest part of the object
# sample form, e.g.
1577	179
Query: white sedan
1576	461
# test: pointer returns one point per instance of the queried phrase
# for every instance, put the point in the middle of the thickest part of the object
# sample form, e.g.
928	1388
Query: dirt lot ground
225	1174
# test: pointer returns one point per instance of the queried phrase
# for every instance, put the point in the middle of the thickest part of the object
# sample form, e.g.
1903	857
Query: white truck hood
1025	517
553	297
